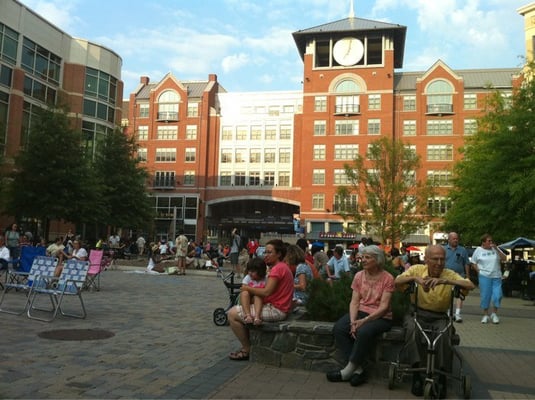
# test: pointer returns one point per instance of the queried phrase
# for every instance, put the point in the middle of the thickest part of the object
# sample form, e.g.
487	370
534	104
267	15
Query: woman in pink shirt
277	296
369	316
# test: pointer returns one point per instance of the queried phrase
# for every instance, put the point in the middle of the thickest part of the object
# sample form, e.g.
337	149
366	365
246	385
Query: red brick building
272	161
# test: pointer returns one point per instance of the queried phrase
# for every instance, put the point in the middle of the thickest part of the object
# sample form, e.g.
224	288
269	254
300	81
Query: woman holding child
277	296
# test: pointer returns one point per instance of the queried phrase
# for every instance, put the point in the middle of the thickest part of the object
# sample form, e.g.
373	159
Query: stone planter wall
309	345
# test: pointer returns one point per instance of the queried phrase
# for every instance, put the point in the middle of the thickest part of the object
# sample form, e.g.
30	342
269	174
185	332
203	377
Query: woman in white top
487	262
78	253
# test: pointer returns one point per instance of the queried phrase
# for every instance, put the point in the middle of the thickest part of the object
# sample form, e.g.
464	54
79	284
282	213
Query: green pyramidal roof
354	25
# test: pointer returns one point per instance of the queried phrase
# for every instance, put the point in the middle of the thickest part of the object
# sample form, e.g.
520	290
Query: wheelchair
435	379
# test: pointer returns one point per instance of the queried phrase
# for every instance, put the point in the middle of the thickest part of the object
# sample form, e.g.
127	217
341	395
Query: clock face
348	51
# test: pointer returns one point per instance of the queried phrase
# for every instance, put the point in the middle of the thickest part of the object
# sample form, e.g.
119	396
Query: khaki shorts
269	313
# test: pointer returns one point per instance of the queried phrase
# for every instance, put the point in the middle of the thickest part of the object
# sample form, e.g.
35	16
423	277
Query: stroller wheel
220	317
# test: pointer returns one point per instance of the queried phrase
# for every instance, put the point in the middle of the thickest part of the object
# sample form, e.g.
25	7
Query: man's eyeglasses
437	259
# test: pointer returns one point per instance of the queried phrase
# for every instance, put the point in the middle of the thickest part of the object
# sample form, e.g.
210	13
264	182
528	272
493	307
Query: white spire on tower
351	11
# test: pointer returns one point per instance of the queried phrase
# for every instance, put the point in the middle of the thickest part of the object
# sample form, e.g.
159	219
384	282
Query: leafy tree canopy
391	202
494	185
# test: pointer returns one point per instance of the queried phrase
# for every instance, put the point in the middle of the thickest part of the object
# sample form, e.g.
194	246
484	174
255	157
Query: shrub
328	302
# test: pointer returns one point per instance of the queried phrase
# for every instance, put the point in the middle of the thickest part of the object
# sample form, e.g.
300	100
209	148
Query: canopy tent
518	242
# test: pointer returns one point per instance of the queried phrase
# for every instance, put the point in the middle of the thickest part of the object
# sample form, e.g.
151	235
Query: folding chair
22	281
95	268
24	263
69	283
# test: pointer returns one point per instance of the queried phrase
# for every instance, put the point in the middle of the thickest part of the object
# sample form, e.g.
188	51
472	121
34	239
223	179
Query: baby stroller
220	314
435	379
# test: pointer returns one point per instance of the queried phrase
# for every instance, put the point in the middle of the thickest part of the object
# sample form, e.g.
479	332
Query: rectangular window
143	132
269	178
340	177
239	178
346	151
409	103
254	178
9	42
255	156
439	178
190	154
167	132
42	63
285	156
319	152
225	179
227	133
191	132
439	205
143	110
189	177
320	128
284	178
240	155
271	132
374	127
318	177
273	111
374	102
142	154
269	155
288	109
164	179
318	201
345	203
242	132
440	127
226	156
470	127
409	128
440	152
193	109
347	105
256	132
344	128
320	103
410	150
470	101
165	155
286	132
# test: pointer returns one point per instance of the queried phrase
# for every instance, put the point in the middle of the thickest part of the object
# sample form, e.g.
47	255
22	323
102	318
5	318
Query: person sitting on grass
255	277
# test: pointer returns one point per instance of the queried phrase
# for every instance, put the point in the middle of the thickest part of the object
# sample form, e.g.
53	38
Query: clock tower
348	102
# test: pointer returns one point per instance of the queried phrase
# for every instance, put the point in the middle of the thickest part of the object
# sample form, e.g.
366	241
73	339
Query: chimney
212	77
144	80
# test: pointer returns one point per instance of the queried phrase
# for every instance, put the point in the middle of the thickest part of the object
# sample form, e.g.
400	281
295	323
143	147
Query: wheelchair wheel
392	371
466	388
220	317
429	391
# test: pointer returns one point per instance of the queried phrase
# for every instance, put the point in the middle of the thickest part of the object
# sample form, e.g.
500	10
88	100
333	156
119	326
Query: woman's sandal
248	319
240	355
258	322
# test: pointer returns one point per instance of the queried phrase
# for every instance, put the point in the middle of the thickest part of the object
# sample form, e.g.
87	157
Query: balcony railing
440	109
168	116
347	109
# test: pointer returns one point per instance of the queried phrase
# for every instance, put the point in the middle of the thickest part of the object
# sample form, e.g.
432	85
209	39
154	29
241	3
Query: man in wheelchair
433	293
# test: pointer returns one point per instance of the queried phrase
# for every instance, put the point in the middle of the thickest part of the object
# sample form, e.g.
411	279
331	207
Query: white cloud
58	12
234	62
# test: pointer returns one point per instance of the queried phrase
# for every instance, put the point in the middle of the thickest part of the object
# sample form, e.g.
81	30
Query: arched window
439	97
347	98
168	106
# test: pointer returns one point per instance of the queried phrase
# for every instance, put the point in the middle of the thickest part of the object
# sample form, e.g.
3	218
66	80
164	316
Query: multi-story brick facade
266	157
40	65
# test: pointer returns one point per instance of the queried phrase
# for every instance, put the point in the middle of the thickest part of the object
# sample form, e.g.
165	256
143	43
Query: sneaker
458	318
485	319
494	318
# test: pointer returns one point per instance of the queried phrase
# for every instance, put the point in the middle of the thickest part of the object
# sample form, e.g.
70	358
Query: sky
248	44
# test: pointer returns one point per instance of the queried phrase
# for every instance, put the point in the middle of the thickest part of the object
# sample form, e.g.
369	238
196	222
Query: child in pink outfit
256	277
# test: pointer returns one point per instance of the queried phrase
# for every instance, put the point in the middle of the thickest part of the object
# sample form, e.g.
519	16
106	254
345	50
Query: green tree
392	203
494	184
116	164
52	178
